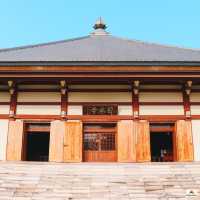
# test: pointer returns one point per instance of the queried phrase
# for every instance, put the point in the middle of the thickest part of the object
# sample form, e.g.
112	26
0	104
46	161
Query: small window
100	110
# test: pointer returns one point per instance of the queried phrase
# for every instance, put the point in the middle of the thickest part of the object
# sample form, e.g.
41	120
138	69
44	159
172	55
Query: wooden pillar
135	99
64	99
183	148
13	99
186	99
126	140
143	142
73	141
15	140
57	131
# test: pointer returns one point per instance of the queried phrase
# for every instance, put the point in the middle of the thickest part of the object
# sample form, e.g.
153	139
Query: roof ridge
158	44
42	44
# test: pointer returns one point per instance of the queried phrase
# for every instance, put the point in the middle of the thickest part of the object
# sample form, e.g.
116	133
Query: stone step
59	181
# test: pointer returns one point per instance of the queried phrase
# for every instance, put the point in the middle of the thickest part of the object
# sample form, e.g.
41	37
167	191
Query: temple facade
100	98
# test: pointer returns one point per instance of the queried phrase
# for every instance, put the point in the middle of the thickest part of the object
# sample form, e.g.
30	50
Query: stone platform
99	181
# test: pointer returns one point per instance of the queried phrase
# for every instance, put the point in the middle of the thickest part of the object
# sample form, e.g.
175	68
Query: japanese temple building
99	98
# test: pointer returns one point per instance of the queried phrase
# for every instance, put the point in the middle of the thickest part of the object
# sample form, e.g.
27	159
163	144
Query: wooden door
126	134
100	144
143	142
183	141
15	140
73	142
56	145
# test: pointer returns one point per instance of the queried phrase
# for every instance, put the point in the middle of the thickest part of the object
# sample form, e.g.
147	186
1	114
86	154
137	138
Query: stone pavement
99	181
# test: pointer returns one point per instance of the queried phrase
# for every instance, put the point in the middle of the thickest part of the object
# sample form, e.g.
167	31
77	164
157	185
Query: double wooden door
100	143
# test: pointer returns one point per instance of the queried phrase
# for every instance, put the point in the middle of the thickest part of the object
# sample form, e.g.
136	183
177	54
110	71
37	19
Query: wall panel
39	97
125	110
184	142
195	109
56	145
160	97
195	97
196	139
75	110
100	97
161	110
143	142
4	97
3	138
73	139
4	109
15	140
39	109
126	143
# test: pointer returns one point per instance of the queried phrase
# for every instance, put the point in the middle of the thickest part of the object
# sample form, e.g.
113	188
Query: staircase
113	181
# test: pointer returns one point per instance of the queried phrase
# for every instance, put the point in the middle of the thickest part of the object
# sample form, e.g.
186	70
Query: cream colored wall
160	97
98	86
75	110
3	138
125	110
39	97
195	97
195	109
196	139
4	109
149	86
100	97
161	110
38	109
4	97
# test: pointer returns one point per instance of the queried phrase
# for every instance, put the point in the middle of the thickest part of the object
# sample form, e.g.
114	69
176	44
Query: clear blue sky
173	22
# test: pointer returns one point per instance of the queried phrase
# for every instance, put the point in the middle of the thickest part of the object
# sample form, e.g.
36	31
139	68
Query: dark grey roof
99	47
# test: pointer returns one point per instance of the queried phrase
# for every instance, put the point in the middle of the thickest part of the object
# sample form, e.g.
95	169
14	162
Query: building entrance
161	141
36	142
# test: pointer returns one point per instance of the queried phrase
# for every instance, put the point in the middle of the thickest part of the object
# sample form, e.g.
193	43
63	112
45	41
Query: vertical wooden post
186	102
13	99
135	99
15	140
64	99
126	140
56	146
183	141
143	142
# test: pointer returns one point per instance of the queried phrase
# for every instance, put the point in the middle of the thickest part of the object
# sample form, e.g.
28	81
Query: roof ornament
100	27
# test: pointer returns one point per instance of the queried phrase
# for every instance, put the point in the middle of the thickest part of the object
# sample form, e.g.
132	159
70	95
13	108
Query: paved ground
41	181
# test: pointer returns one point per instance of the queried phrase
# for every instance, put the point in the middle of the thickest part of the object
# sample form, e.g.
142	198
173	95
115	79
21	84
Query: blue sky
172	22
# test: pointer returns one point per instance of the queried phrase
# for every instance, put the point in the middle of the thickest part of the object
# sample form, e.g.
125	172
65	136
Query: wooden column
135	99
186	99
13	99
73	140
64	99
15	140
143	142
126	140
183	148
56	145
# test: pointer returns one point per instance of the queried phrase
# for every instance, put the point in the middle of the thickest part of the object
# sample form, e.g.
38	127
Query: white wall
161	110
125	110
39	97
196	139
3	138
100	97
160	97
38	109
75	110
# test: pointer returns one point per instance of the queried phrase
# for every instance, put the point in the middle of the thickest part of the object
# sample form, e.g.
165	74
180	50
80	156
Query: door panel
143	142
99	145
15	140
183	141
73	142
